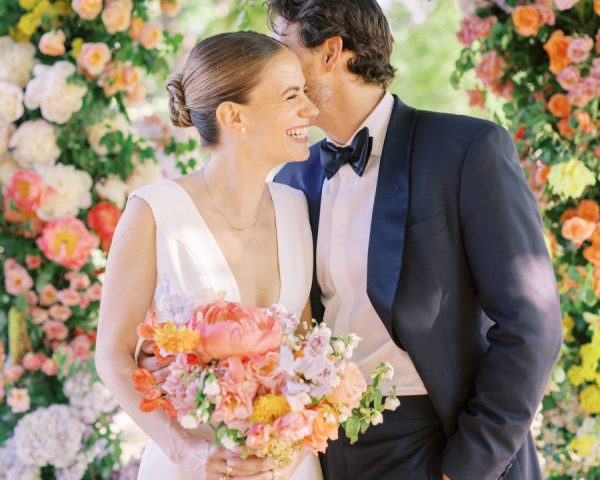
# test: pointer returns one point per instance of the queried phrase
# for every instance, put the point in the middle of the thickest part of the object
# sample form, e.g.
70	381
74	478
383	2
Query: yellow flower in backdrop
28	24
582	446
76	45
590	399
569	179
568	323
28	4
576	376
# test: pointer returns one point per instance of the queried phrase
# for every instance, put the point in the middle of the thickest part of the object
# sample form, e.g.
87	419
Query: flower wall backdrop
536	66
69	156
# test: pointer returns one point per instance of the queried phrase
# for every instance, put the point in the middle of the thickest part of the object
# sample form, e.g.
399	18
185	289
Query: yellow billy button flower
28	4
590	399
568	323
582	446
173	339
269	408
76	45
28	23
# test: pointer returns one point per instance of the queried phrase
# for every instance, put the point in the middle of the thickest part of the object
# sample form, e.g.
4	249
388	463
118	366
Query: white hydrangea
49	436
34	144
88	398
16	60
11	468
144	174
70	192
8	167
112	188
11	102
95	132
50	92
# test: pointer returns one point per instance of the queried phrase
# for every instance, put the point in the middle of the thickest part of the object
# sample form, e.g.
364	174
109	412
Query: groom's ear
228	116
332	50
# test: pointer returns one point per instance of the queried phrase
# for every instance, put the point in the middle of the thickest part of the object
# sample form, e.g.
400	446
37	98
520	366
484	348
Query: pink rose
81	347
26	190
473	28
49	367
48	295
569	77
258	435
53	43
150	36
579	49
476	98
117	15
584	92
16	279
234	407
77	281
85	301
87	9
55	330
18	400
38	315
93	58
69	297
94	292
351	388
31	297
13	372
33	261
33	361
294	426
595	71
228	329
265	368
565	4
60	312
490	69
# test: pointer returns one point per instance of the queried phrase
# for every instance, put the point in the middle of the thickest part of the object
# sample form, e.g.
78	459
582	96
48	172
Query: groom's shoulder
451	127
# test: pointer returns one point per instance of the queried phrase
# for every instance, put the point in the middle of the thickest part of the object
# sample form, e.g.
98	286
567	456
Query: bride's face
279	112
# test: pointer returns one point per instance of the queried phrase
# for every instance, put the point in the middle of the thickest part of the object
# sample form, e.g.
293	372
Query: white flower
353	340
16	60
70	192
8	167
49	436
88	398
211	387
189	421
113	189
385	370
228	442
339	347
391	403
11	102
376	418
34	144
96	131
50	92
144	174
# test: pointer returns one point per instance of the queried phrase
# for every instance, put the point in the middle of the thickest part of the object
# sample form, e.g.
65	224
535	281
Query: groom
428	245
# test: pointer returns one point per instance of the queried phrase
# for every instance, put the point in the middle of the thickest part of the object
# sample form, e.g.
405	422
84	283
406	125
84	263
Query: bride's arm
129	285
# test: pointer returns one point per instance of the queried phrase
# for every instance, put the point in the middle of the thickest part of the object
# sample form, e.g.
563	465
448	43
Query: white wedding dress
190	263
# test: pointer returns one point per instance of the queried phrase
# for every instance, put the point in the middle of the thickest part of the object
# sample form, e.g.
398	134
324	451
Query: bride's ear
229	117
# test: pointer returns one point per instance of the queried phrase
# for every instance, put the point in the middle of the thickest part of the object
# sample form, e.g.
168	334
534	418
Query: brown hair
361	24
224	67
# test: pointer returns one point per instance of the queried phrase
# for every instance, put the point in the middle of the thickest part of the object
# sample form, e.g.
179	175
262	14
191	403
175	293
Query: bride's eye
291	97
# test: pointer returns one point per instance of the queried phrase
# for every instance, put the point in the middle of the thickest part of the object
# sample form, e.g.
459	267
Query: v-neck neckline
219	252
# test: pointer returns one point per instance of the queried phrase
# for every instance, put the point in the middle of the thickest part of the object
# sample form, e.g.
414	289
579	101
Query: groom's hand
445	477
157	367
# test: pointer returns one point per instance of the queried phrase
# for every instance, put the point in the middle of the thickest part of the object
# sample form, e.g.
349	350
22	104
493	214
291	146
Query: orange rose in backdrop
228	329
527	20
589	210
557	48
578	230
559	105
103	218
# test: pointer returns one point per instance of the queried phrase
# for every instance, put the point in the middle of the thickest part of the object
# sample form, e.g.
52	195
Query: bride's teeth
298	132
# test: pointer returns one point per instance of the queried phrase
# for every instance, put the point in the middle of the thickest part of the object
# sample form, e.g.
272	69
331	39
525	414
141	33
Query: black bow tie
357	154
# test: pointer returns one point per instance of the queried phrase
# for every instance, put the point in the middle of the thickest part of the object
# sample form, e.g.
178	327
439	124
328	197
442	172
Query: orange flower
93	58
559	105
589	210
170	7
577	230
584	120
556	47
527	20
103	218
116	15
53	43
135	28
595	238
476	98
597	7
143	380
151	36
592	254
565	129
322	431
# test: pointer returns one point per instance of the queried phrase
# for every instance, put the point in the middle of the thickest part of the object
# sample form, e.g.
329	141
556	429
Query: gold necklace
233	227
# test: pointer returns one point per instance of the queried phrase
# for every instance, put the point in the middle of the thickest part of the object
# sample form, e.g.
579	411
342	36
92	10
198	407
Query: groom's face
318	90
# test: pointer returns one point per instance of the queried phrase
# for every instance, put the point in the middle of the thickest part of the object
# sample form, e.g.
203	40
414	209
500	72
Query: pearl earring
243	129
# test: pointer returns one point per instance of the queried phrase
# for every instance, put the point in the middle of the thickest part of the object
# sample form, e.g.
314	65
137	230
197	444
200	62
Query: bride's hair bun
224	67
178	111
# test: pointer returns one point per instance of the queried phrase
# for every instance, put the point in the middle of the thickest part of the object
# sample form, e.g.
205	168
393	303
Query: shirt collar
377	122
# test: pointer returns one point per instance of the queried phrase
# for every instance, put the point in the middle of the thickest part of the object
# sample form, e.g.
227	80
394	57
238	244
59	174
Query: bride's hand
157	367
226	464
287	472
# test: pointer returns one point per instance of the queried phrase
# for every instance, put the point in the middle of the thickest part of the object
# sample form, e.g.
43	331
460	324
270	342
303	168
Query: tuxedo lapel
390	211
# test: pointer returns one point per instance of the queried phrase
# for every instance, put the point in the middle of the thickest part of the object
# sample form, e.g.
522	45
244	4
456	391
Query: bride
220	229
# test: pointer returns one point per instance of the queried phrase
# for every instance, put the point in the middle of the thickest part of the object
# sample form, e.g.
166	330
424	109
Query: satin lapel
388	225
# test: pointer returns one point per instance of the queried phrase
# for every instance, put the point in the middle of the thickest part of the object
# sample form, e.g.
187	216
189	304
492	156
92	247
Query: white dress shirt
342	251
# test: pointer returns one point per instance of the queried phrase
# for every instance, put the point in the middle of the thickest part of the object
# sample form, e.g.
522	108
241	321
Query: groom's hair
361	24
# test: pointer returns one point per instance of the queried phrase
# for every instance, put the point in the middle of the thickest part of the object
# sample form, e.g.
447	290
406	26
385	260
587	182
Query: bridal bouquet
265	382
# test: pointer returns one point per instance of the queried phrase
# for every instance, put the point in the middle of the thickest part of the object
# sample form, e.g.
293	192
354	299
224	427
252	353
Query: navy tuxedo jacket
459	273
